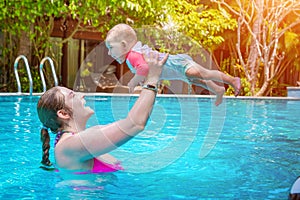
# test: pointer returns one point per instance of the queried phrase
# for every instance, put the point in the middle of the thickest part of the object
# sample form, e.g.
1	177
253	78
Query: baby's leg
197	71
212	87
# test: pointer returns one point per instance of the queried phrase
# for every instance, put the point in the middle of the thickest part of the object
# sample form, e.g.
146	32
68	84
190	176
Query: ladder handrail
42	73
28	73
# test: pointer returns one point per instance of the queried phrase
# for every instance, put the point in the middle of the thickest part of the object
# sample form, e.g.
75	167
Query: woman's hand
155	66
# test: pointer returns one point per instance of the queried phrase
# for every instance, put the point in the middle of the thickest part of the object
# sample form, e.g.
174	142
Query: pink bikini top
99	166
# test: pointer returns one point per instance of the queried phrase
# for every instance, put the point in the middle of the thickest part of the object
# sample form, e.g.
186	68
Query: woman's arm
135	81
108	159
96	140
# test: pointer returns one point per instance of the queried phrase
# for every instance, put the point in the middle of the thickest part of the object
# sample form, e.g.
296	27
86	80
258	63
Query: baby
123	46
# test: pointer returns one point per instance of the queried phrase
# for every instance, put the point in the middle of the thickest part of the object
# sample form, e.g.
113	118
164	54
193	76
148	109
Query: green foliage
238	70
290	39
168	40
24	80
29	22
36	18
203	24
290	44
245	88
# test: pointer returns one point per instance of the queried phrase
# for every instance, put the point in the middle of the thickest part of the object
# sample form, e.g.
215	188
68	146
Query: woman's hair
294	196
48	105
122	32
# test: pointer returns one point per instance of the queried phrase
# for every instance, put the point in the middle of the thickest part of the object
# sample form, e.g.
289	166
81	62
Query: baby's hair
122	32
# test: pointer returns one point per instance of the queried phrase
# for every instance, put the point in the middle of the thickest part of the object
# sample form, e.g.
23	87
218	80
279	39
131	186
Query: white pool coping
162	95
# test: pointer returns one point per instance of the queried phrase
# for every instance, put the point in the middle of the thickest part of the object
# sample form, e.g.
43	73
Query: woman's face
76	102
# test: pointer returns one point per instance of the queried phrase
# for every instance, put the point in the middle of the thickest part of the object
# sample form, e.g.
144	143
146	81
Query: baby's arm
141	67
135	81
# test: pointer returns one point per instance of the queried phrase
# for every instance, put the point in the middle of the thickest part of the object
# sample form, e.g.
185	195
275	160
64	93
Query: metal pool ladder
28	72
42	74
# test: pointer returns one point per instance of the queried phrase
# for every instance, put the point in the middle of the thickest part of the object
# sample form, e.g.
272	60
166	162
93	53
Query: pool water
244	149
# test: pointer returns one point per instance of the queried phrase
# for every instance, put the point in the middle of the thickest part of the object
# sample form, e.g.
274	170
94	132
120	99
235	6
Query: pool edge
165	95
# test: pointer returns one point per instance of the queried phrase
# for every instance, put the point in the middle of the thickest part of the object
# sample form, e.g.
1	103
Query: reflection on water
89	185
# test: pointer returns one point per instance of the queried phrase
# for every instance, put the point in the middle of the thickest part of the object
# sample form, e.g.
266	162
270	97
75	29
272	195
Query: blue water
244	149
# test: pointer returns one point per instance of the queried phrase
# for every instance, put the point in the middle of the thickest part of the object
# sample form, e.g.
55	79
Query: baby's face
117	50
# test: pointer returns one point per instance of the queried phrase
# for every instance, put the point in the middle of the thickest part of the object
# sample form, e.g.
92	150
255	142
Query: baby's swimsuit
173	69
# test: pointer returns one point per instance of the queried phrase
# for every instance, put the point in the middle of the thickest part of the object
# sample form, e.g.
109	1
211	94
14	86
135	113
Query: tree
265	29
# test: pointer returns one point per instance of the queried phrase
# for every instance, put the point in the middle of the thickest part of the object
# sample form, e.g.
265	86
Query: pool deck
166	95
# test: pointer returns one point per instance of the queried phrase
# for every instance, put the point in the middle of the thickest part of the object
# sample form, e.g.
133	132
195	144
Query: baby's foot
219	96
237	86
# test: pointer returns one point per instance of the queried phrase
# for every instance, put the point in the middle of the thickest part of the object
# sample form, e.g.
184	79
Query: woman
85	149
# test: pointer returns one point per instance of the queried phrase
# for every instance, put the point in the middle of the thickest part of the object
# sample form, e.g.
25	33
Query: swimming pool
251	151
